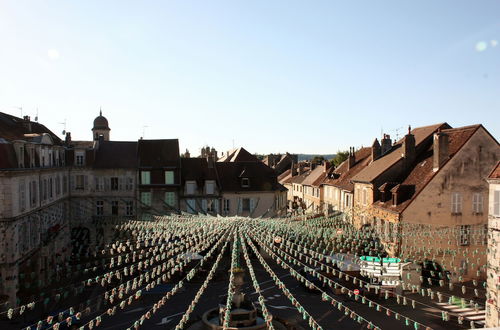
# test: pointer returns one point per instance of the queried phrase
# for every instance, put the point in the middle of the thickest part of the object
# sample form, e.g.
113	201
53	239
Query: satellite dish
64	132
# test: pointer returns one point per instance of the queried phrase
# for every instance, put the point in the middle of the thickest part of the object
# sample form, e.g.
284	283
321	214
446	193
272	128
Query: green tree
318	159
340	156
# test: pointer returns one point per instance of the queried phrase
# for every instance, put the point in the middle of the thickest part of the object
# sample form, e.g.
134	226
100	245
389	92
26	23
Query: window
99	184
190	187
80	158
22	196
477	203
364	196
129	208
145	177
210	187
58	185
45	189
464	235
99	208
169	177
130	183
50	188
496	203
65	184
80	182
33	193
226	205
456	203
191	205
21	156
246	204
114	207
170	199
146	198
114	183
245	182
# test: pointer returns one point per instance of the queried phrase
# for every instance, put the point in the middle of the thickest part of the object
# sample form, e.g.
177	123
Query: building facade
493	276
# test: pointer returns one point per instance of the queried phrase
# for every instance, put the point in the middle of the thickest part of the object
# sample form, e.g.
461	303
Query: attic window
245	182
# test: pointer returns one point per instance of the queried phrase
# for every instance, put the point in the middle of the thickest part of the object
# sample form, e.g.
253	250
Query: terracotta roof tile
341	176
380	165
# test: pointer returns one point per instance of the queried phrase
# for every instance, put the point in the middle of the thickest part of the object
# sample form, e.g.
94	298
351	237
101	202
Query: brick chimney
386	144
408	148
351	159
376	150
187	154
440	150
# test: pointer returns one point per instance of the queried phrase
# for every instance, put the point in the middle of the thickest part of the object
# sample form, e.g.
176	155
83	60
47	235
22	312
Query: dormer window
245	182
79	158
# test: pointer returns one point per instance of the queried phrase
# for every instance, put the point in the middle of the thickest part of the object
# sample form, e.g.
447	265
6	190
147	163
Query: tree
318	159
340	156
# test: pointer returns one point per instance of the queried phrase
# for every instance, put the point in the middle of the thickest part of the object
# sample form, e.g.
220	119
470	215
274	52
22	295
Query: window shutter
96	179
120	183
216	206
240	205
72	183
107	183
496	203
85	182
204	205
252	204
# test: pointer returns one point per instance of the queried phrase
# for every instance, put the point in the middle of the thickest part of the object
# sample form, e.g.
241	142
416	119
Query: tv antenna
63	123
144	131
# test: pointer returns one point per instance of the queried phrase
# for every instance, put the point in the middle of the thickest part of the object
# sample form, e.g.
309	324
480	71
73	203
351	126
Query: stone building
434	176
159	167
493	276
338	190
34	228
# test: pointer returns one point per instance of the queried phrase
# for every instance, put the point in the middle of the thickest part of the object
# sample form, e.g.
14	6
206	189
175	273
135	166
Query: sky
271	76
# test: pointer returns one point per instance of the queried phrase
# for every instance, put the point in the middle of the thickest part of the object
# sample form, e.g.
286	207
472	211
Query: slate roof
261	177
116	154
238	155
422	173
158	153
382	164
13	128
341	176
197	169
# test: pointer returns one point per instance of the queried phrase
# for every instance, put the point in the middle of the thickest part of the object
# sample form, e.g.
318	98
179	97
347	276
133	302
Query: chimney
301	168
293	169
440	150
376	150
409	152
386	144
214	154
27	123
187	154
351	159
210	160
68	138
326	166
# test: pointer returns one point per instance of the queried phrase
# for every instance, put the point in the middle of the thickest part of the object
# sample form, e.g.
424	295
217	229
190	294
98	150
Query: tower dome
100	122
101	127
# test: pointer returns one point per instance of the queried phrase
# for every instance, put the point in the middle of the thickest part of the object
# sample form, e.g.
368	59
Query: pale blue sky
298	76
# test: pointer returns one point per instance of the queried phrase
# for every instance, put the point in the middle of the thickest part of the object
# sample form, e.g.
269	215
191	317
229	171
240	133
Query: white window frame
245	182
465	235
496	203
171	199
145	177
79	158
477	203
146	198
169	177
456	203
